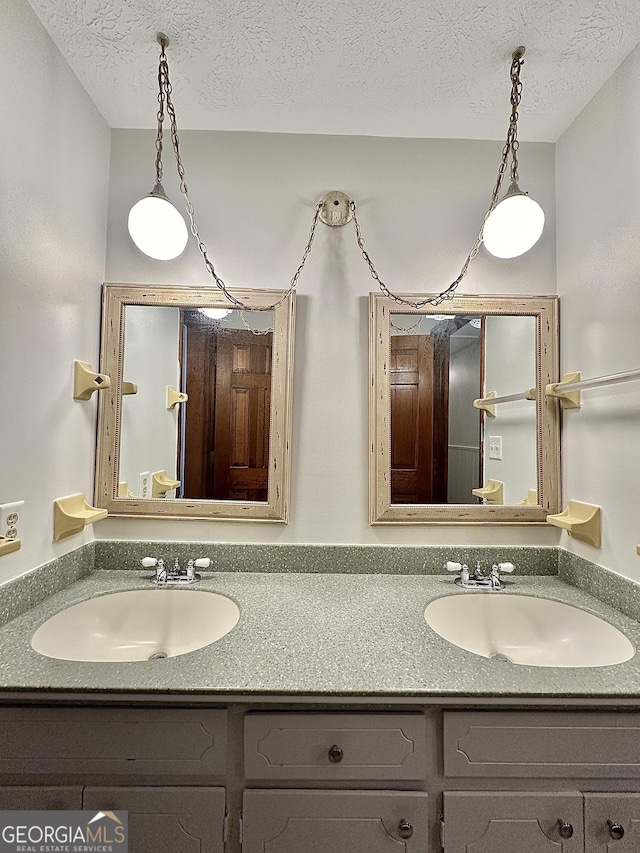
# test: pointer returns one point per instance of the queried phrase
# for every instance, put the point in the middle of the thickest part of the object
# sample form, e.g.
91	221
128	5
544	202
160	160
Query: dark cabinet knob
565	829
405	830
616	830
335	754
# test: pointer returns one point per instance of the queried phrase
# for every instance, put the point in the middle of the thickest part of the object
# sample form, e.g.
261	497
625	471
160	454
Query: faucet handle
506	567
450	566
148	562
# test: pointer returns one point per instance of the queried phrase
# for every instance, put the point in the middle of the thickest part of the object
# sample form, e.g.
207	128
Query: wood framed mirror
439	452
197	421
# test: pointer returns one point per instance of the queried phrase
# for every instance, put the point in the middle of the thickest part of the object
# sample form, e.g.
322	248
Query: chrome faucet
477	579
175	576
496	571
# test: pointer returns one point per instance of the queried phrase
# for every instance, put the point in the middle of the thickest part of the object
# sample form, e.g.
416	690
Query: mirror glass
198	420
440	448
216	443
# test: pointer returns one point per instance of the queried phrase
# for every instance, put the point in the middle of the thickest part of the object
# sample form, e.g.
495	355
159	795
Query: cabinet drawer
112	740
334	746
541	745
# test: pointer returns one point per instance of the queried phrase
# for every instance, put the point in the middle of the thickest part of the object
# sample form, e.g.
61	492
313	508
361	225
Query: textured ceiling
428	68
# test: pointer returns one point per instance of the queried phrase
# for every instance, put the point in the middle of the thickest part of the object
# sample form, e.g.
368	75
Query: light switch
495	447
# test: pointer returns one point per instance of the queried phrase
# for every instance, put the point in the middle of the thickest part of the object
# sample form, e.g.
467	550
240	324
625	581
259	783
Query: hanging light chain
251	329
516	94
166	89
405	329
160	117
510	148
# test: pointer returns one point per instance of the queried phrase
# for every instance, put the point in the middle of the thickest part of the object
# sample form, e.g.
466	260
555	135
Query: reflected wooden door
197	429
242	415
419	388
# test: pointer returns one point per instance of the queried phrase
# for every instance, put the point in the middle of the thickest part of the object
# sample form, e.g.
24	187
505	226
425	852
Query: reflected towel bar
487	403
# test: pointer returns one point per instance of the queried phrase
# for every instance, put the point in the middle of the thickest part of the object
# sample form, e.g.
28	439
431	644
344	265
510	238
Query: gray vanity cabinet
334	822
172	819
503	822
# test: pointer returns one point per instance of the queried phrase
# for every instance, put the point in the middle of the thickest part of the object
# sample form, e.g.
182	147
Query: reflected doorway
436	370
224	430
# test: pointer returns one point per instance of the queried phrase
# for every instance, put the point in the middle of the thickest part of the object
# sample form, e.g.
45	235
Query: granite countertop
323	635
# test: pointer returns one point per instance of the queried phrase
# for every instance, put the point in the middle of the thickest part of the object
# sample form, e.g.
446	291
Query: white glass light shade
514	225
157	228
215	313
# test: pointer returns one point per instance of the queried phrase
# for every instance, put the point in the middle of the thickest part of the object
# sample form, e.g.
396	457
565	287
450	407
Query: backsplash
343	559
22	593
615	590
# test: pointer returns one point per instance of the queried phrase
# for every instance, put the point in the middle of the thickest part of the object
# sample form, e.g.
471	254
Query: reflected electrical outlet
144	485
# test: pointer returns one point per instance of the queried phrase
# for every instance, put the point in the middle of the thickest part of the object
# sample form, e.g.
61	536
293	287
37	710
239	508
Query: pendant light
513	225
155	225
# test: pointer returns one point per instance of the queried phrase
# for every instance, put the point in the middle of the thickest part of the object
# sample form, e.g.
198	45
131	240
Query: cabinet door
180	820
623	811
334	822
502	822
40	798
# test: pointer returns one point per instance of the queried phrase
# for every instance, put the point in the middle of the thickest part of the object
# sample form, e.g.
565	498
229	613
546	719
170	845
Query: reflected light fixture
155	225
513	225
215	313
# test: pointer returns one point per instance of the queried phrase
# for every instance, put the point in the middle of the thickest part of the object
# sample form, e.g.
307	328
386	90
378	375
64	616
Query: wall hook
174	397
86	381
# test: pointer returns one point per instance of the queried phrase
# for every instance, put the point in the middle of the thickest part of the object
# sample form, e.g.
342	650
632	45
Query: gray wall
598	187
54	173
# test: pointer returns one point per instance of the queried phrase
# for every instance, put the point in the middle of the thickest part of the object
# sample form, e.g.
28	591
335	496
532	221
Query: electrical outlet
144	485
12	520
495	447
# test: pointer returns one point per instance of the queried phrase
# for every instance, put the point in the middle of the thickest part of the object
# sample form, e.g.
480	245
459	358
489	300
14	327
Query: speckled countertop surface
326	635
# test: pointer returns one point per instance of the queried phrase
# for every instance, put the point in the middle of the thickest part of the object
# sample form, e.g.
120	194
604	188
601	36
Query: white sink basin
137	625
527	630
